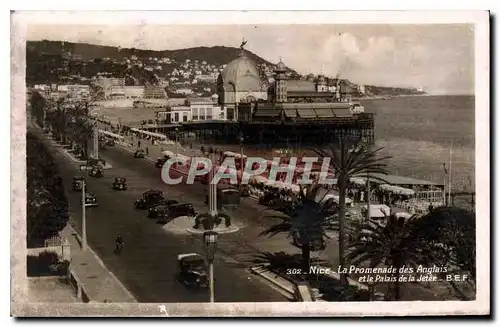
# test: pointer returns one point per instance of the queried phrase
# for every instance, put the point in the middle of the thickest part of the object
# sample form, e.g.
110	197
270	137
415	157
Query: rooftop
400	180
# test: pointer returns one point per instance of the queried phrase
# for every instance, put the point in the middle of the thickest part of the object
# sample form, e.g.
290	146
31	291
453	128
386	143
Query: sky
440	58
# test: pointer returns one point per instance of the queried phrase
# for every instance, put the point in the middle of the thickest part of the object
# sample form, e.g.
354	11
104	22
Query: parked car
160	162
160	206
90	200
227	196
174	211
78	183
96	171
192	270
148	199
120	184
139	153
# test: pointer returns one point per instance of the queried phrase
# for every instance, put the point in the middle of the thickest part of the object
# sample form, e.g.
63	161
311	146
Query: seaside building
314	111
192	110
239	82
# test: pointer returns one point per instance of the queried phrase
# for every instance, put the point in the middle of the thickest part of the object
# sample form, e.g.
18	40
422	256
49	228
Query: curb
69	156
260	271
72	158
99	260
229	230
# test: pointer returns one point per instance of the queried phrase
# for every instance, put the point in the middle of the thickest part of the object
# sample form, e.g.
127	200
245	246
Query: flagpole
449	174
444	185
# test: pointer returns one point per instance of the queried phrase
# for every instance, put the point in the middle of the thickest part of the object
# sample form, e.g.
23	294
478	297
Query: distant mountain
49	59
55	61
217	55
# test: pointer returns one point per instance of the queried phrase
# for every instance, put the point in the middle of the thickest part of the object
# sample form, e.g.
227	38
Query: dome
321	79
242	74
280	67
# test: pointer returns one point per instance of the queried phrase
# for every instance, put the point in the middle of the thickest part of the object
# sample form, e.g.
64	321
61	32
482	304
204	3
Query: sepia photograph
211	164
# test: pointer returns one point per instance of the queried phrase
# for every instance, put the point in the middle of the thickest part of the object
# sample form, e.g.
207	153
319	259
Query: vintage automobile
120	184
193	270
110	142
78	183
160	162
227	196
90	200
96	171
139	153
269	198
173	211
160	206
148	199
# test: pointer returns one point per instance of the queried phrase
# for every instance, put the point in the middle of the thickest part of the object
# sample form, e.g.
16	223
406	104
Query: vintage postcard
250	164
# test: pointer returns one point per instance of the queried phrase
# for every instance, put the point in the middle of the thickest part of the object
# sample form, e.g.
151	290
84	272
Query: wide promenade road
148	264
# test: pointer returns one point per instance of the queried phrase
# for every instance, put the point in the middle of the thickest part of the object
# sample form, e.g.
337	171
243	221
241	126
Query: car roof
189	256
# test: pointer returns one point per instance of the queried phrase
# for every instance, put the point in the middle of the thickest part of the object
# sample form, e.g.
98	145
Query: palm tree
447	238
82	126
392	244
209	221
347	161
307	226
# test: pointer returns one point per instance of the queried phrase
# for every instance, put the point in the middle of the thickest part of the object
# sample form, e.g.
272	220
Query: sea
423	132
420	133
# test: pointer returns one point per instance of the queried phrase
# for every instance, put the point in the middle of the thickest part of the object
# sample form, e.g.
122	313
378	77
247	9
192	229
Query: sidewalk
155	151
93	278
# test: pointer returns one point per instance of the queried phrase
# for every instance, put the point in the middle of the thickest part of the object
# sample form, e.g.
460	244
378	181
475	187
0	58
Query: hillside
217	55
58	61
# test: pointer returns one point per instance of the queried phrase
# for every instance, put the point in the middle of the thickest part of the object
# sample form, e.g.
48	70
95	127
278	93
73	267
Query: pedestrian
139	143
147	151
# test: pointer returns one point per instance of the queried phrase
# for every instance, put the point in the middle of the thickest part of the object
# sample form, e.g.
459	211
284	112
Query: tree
447	238
71	122
392	244
307	226
38	106
349	159
444	237
83	125
209	222
47	205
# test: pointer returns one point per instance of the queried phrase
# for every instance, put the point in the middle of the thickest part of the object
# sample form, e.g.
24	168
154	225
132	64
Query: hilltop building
154	92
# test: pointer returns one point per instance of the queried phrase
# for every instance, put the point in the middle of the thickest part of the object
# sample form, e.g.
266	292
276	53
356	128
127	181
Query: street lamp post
212	187
242	139
210	242
368	200
176	145
95	136
84	219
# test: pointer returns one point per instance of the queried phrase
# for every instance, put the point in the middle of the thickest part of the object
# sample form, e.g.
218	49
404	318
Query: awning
292	113
324	112
306	113
267	113
377	210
